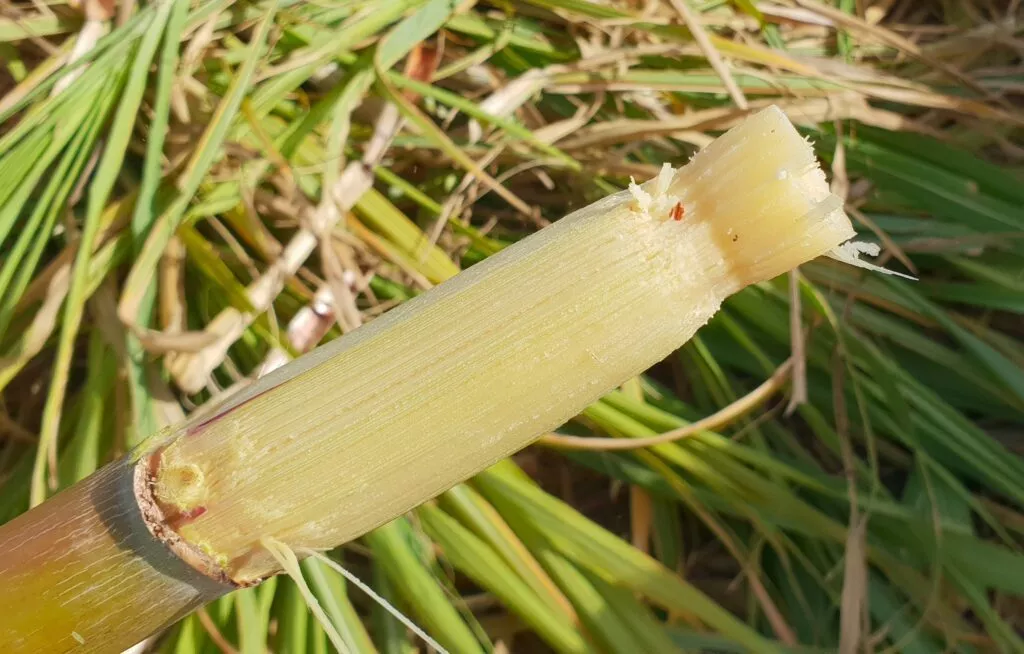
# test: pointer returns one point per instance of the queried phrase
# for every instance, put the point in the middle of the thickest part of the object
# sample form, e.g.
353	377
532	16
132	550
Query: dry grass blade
417	118
285	556
691	21
889	37
191	369
853	604
715	421
641	519
198	163
797	340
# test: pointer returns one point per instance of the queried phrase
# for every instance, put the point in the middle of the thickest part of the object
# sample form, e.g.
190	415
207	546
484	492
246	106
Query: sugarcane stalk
361	430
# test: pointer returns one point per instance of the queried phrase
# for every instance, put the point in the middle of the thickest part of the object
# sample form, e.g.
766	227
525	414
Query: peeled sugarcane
368	426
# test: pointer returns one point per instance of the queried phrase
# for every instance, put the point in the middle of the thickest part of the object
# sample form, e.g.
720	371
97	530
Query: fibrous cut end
761	193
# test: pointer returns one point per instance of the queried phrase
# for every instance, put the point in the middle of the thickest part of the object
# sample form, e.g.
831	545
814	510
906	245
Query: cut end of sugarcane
166	503
760	192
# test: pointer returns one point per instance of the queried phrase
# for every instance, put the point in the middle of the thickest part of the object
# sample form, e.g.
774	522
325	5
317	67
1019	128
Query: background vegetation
192	192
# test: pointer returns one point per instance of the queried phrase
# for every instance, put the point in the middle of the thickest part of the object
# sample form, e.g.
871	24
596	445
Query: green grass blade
430	606
99	191
251	630
206	151
470	108
392	223
87	449
601	552
482	564
292	619
22	259
145	422
388	632
480	517
417	27
331	591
